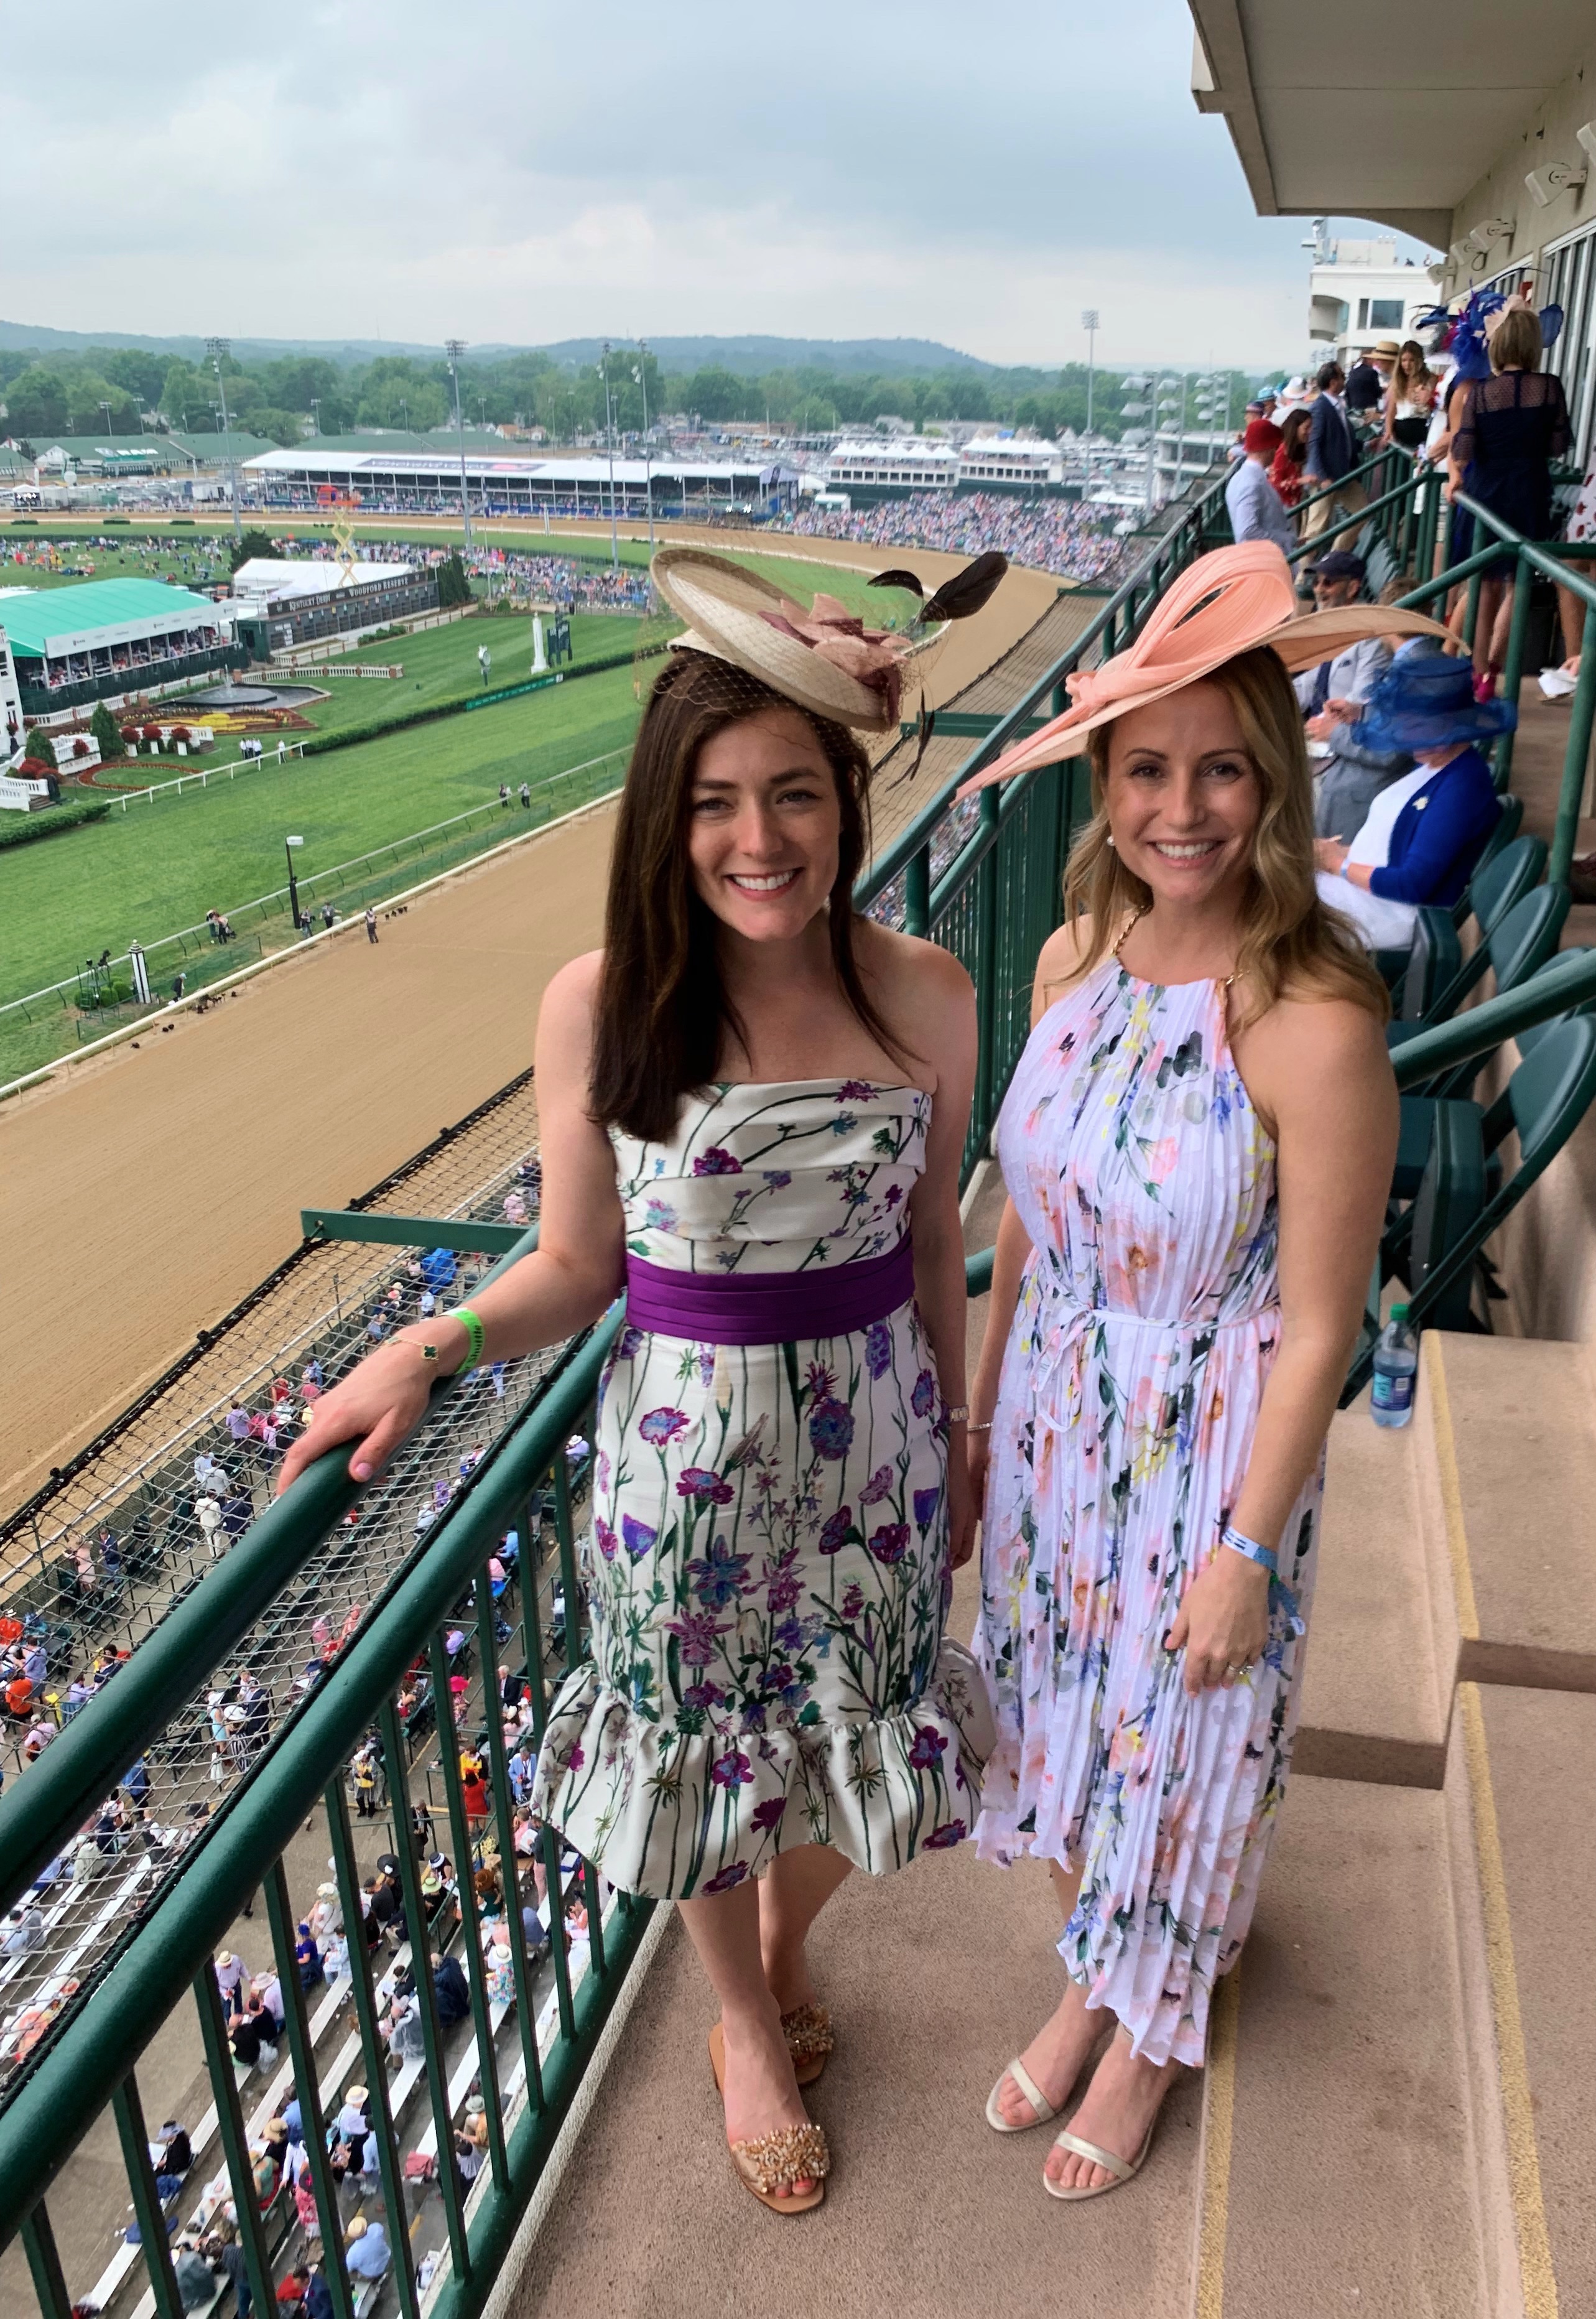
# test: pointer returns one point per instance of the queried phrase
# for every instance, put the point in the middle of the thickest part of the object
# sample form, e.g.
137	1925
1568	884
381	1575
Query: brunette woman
1286	471
753	1108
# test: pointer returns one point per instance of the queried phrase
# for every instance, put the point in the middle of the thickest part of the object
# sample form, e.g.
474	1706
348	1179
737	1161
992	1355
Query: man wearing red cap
1256	508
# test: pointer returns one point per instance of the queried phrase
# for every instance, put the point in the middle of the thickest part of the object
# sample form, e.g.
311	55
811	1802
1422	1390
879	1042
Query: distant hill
744	357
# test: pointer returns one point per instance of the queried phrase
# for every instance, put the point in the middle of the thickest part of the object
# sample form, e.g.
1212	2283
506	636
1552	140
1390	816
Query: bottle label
1393	1389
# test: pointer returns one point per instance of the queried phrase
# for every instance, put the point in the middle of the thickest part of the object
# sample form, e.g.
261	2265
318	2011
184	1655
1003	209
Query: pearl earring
1109	843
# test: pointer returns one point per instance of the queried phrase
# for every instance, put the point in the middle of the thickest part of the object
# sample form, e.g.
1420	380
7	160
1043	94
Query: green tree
105	730
36	402
43	750
253	544
453	586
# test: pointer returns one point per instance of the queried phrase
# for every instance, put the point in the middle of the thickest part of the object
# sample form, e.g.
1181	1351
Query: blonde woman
1196	1145
1409	397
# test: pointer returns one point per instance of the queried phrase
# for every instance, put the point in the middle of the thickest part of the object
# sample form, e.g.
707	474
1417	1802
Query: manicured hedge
19	828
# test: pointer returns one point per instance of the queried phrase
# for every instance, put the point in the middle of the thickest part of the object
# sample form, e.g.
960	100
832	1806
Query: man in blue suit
1330	458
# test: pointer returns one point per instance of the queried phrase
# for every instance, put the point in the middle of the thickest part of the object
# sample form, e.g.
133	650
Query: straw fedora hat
1233	600
824	659
1384	350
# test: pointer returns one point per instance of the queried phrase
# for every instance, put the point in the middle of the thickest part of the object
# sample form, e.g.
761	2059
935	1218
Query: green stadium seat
1492	890
1506	828
1448	1225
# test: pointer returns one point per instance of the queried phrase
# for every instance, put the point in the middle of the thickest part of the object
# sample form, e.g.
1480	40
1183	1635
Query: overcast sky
529	172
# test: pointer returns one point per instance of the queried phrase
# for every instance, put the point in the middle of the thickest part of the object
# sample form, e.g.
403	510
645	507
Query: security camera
1557	178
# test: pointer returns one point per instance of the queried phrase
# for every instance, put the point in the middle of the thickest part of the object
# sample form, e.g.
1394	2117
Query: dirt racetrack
142	1192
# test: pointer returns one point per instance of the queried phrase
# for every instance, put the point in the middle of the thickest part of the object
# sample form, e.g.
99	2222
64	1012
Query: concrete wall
1501	191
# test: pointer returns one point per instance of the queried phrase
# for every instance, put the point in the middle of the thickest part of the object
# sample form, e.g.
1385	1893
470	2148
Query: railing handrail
106	2034
1566	982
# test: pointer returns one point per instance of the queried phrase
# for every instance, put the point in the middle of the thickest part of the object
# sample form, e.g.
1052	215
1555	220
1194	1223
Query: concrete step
1521	1808
1374	1706
1506	1466
1336	2127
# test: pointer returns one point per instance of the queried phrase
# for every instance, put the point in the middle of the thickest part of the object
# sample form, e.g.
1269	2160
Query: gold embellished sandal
794	2153
810	2040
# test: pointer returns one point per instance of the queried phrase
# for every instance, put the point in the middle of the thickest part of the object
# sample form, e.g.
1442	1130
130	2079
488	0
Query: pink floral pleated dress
1147	1324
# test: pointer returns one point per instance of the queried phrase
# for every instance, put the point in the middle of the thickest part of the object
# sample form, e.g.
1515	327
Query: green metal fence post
373	2052
50	2283
415	1917
1512	674
553	1901
1576	757
917	893
509	1858
307	2088
463	1843
986	953
235	2146
134	2137
1472	615
569	1585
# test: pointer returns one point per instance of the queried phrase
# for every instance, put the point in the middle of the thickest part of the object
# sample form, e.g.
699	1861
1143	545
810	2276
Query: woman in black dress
1506	431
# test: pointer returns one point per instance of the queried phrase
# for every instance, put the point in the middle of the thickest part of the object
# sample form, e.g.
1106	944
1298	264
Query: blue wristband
1263	1556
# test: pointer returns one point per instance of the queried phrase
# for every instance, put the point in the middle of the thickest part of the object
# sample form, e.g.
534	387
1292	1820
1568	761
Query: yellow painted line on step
1538	2278
1219	2108
1463	1577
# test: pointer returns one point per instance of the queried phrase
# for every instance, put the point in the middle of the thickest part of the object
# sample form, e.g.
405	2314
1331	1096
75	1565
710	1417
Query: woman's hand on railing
376	1406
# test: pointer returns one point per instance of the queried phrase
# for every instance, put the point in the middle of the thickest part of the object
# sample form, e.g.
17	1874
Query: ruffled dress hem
618	1785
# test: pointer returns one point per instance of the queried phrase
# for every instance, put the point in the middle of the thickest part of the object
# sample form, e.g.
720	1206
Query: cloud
514	173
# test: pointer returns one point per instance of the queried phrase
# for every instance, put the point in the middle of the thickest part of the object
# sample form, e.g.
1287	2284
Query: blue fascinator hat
1426	700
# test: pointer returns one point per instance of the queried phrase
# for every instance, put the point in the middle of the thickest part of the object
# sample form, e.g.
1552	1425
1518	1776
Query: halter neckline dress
1147	1324
767	1569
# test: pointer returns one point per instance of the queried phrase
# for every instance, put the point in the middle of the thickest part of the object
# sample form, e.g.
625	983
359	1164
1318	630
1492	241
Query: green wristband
473	1333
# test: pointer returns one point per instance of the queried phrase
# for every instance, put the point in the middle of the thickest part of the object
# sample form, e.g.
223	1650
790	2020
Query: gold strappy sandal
794	2153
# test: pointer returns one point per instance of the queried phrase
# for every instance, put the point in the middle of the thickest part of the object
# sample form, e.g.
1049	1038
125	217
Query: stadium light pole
609	437
288	845
454	349
219	349
1088	322
641	376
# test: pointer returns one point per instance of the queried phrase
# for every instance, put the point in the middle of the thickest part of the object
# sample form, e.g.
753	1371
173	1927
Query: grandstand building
114	640
511	483
279	604
891	467
1008	463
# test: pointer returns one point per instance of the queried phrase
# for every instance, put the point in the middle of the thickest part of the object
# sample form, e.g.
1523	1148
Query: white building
1359	293
876	468
1010	463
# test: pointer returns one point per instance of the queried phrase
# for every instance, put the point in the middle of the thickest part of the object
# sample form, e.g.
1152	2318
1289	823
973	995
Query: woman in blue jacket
1425	832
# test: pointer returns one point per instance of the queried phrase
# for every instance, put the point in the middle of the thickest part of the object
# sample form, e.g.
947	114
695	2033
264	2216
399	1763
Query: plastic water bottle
1396	1363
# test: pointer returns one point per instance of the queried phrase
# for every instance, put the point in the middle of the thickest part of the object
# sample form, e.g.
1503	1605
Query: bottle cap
1399	1311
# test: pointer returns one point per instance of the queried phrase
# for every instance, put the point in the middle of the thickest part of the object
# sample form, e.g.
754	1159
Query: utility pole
610	434
640	375
454	349
1088	322
219	349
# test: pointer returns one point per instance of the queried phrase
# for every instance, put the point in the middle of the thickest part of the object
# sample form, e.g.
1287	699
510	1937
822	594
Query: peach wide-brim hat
1233	600
823	659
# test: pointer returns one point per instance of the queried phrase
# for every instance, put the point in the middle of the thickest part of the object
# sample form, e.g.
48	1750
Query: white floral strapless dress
768	1566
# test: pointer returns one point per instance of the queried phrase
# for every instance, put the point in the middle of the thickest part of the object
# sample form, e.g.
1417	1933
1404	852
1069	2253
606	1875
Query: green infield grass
161	864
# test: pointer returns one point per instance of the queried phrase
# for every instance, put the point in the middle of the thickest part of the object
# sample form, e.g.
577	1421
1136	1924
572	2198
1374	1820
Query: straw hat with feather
1233	600
824	660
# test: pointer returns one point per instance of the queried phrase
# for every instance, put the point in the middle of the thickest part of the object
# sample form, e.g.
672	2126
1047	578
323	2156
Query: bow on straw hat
1232	601
824	659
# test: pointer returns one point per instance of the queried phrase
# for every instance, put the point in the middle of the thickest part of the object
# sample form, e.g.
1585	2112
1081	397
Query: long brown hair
663	1011
1292	945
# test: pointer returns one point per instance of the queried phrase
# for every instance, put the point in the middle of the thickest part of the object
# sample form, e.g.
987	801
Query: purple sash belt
768	1308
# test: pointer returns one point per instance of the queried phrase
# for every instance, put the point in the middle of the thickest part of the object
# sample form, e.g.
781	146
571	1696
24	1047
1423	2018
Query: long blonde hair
1290	945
